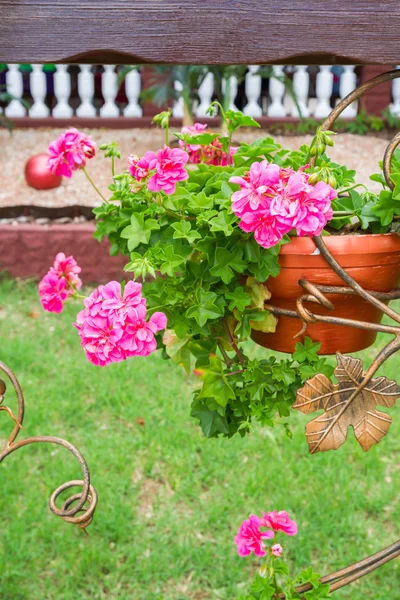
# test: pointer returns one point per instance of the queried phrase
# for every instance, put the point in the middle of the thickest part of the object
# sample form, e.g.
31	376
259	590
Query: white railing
73	94
85	107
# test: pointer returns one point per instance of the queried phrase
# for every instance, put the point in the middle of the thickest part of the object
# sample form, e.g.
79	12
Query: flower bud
332	181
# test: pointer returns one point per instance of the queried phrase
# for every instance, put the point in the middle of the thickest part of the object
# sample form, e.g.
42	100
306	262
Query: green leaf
177	348
211	422
223	222
239	299
215	384
200	201
387	207
171	261
225	262
307	351
205	308
183	230
268	265
263	586
395	177
139	232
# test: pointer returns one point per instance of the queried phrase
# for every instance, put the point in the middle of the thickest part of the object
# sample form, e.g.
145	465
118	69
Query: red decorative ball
38	176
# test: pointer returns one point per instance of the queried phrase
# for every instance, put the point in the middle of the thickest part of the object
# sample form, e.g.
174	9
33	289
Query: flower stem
94	185
343	213
232	342
227	359
234	373
113	165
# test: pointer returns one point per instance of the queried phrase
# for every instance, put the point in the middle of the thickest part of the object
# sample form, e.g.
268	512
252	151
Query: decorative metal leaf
346	404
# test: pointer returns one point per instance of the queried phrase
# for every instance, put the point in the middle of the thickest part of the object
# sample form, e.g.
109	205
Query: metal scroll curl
78	508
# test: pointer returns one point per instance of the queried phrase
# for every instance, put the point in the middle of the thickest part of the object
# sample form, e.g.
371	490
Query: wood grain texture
200	31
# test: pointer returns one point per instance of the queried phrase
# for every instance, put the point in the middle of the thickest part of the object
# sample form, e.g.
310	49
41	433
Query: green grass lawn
170	501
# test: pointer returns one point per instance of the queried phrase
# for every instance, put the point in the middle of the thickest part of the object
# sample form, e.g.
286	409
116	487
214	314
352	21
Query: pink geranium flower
138	339
113	326
304	207
68	268
118	306
100	340
169	168
253	187
276	549
249	537
69	152
53	292
279	521
272	200
138	168
60	282
268	229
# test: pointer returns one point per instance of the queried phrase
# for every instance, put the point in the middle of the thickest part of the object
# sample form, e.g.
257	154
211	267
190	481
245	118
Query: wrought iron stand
78	508
353	400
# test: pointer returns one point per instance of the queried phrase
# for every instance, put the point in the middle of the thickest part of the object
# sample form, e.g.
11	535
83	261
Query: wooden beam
200	31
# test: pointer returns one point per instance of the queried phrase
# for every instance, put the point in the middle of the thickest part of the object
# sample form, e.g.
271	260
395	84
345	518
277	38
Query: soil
358	152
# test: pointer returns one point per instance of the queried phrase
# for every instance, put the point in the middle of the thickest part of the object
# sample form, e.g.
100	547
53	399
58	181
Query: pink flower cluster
271	201
60	282
113	326
69	152
211	154
250	538
167	168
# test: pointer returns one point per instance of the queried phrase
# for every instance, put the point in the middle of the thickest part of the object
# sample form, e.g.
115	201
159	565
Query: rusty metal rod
333	263
284	312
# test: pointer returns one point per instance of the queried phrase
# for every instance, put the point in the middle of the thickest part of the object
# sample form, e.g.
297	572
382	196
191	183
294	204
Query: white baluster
394	107
324	85
277	92
348	83
38	91
132	89
86	92
206	91
62	90
301	84
178	108
14	84
109	90
253	92
233	88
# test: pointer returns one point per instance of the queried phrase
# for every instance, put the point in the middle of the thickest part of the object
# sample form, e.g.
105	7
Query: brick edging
28	250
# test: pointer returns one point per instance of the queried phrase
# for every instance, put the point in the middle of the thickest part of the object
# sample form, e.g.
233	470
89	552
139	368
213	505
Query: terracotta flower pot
372	260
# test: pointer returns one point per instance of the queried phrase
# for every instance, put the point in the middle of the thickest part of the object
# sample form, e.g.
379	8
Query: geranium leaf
139	231
205	308
225	262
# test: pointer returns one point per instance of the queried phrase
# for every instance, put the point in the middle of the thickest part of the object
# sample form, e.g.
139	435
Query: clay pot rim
346	244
